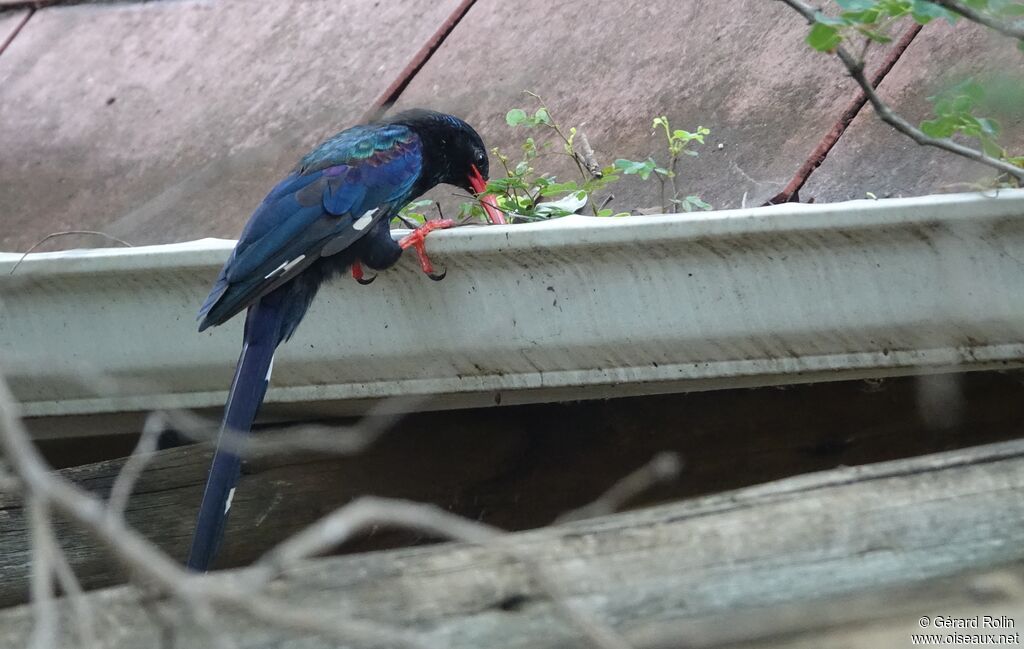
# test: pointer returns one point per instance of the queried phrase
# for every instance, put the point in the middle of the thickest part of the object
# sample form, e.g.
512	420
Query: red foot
415	240
357	274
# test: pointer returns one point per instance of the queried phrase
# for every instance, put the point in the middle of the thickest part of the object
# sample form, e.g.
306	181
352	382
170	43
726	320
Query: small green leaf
937	127
697	202
876	36
631	167
515	117
991	147
924	12
825	19
856	5
824	38
558	188
989	126
542	116
564	206
866	17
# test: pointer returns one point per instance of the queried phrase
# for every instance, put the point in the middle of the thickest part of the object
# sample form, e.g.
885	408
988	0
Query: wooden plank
875	619
804	539
521	467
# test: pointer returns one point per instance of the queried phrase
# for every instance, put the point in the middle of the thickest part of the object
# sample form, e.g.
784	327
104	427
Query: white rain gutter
572	308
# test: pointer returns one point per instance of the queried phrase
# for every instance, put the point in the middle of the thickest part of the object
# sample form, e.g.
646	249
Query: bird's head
453	154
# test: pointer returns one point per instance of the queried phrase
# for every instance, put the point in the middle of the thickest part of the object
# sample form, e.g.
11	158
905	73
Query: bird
331	214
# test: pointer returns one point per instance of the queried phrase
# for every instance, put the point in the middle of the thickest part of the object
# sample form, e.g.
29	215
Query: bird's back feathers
333	198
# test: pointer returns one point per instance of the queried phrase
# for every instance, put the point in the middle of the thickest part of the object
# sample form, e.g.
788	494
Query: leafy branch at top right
866	22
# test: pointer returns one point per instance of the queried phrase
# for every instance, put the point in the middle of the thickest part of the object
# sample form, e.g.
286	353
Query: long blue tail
263	328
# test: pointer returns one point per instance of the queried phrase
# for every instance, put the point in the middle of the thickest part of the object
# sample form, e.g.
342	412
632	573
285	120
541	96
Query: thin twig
331	439
46	622
135	464
143	558
663	467
54	235
887	115
198	593
344	522
80	606
1011	30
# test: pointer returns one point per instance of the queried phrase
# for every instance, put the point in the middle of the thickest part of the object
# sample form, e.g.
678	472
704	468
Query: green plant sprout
527	194
677	140
523	189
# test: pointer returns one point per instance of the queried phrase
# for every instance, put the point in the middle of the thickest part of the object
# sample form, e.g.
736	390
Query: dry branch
890	117
654	573
204	599
982	18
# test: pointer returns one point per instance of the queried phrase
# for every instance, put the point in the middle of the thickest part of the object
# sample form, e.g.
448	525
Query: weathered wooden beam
880	618
520	467
656	572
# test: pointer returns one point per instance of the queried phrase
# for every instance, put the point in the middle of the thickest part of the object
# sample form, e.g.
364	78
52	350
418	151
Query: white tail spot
364	220
231	496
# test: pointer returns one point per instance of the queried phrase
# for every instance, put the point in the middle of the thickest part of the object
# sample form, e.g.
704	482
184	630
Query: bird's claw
357	274
415	240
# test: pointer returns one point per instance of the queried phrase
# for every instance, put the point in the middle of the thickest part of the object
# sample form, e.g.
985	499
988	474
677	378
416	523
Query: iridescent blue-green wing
332	199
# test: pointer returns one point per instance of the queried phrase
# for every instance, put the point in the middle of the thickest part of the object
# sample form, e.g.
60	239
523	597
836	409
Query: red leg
357	274
415	240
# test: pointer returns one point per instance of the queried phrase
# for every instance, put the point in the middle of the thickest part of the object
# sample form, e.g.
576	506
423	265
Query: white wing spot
270	368
231	496
364	220
277	271
291	264
285	267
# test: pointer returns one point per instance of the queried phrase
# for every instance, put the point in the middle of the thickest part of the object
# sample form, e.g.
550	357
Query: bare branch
194	592
200	595
887	115
80	607
663	467
1006	29
332	439
46	621
134	466
344	522
341	524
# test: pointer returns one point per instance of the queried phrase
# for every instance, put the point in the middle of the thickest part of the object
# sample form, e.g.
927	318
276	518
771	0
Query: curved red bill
479	185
